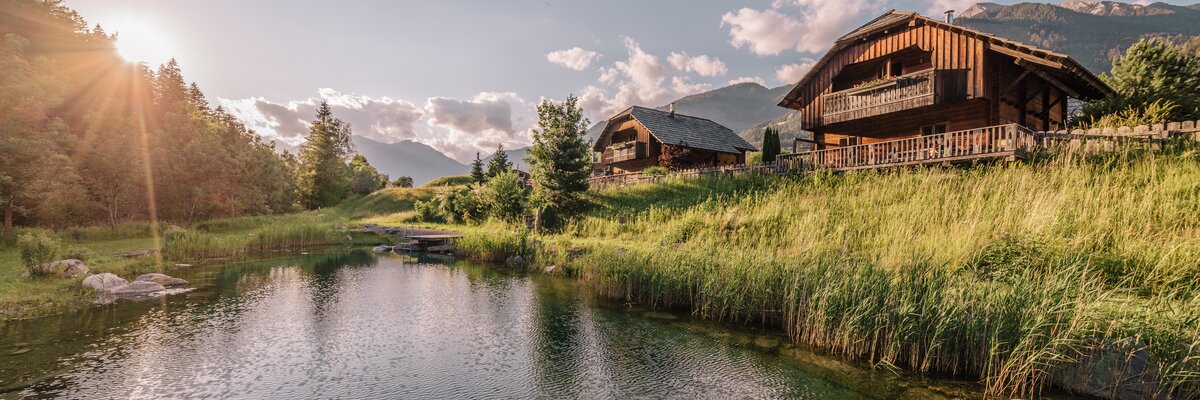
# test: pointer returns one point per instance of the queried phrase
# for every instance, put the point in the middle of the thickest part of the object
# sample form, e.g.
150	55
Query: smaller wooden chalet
635	139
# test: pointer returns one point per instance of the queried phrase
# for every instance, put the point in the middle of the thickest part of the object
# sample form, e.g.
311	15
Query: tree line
89	138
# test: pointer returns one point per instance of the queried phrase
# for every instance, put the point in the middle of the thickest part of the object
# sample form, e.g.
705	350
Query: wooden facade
628	145
904	75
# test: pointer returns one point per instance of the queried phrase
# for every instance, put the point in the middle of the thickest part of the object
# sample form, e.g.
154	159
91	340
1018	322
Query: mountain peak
1113	8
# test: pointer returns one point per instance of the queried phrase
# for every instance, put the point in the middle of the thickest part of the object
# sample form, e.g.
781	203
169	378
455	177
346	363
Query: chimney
949	16
672	108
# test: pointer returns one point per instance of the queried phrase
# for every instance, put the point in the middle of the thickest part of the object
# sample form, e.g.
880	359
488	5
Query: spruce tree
477	175
560	160
499	163
770	146
323	176
1152	70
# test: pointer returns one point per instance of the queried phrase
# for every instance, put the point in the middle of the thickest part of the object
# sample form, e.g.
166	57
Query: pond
360	325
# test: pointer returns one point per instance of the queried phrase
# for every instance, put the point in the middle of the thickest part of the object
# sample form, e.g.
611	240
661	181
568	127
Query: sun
138	42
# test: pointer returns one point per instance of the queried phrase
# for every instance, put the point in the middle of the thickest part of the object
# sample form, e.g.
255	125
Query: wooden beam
1017	54
1015	82
1049	79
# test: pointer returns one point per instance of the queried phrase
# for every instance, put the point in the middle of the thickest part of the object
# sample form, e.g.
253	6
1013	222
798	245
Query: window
848	141
933	129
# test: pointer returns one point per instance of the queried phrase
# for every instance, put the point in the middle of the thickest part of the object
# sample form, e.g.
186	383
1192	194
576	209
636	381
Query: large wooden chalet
906	89
635	139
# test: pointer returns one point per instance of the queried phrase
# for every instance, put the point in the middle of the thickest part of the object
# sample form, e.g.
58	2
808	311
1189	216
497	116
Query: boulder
161	279
104	282
550	269
382	249
137	288
515	261
63	268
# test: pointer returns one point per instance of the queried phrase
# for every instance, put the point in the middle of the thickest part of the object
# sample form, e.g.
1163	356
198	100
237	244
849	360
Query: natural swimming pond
360	325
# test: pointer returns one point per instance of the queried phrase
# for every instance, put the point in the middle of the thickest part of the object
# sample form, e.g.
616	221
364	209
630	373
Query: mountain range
1091	32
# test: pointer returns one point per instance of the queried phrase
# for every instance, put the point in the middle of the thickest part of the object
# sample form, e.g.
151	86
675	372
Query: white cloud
746	79
456	127
937	7
574	58
638	80
792	73
683	86
701	64
807	26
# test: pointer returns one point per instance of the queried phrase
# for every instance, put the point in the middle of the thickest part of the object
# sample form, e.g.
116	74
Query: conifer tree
477	175
499	163
770	145
323	176
560	160
1151	71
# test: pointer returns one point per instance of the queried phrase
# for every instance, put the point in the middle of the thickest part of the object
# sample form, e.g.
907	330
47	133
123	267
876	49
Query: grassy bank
1010	273
205	243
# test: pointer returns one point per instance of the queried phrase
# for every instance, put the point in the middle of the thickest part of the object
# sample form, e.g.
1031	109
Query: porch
1002	141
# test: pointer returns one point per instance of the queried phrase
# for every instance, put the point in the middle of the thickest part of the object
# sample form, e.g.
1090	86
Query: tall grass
1008	272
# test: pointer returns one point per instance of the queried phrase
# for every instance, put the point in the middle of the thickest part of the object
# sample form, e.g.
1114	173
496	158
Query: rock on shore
162	279
104	282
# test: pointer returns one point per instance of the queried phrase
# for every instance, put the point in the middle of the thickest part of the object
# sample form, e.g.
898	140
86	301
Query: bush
504	195
37	249
655	170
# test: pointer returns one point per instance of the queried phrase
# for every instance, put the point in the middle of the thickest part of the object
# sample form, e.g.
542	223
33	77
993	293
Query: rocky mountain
418	160
1091	32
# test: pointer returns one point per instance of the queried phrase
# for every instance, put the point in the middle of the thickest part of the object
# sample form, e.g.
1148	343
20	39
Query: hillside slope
1091	32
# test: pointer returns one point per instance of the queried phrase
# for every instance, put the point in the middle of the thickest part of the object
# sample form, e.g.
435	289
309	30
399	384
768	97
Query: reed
1010	273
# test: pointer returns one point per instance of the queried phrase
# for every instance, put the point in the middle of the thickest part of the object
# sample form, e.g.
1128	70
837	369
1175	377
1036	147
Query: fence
1003	141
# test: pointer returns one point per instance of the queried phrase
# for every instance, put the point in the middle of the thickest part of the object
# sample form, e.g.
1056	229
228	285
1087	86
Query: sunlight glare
137	42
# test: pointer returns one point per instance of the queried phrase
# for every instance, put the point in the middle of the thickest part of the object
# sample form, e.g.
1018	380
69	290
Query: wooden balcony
623	152
1001	141
909	91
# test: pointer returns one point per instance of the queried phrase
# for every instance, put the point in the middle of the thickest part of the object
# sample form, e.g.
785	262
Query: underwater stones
515	261
162	279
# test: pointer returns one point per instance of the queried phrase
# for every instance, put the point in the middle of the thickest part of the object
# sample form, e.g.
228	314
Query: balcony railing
905	92
623	152
987	142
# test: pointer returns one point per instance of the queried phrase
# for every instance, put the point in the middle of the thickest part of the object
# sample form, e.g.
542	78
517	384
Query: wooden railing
907	91
622	152
992	141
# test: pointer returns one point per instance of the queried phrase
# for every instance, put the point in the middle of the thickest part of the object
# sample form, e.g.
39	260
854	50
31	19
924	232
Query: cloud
746	79
574	58
638	80
937	7
684	87
456	127
792	73
807	26
701	64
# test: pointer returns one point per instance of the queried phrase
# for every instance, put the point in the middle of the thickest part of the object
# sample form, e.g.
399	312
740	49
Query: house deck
1002	141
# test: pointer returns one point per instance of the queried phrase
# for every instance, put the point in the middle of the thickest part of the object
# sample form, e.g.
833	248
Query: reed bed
1011	273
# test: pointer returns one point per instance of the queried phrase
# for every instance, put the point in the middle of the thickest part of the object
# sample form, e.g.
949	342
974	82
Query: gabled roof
1042	58
685	130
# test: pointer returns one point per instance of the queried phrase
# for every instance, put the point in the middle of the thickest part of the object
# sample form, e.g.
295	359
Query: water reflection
365	326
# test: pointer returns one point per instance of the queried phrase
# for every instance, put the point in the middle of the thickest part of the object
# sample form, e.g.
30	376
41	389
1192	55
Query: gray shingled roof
691	131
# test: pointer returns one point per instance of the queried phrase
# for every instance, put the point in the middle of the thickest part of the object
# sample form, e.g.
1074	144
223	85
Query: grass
203	243
1010	273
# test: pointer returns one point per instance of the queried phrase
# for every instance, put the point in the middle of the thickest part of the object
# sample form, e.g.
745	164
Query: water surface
364	326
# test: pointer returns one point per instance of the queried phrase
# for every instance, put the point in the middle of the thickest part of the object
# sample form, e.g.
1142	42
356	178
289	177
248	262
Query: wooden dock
413	238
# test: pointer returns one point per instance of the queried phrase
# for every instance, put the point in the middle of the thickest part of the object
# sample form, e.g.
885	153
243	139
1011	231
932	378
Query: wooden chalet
634	139
906	89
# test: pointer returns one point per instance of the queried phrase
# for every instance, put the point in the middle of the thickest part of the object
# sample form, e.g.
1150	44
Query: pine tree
1152	70
499	163
477	175
560	160
323	176
770	146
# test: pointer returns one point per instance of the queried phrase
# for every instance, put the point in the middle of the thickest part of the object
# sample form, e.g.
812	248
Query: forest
92	139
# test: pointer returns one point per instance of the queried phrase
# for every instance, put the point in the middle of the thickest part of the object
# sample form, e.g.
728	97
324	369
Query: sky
465	77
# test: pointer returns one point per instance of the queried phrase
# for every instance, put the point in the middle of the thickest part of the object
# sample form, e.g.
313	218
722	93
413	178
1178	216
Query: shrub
655	170
37	249
454	180
504	195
